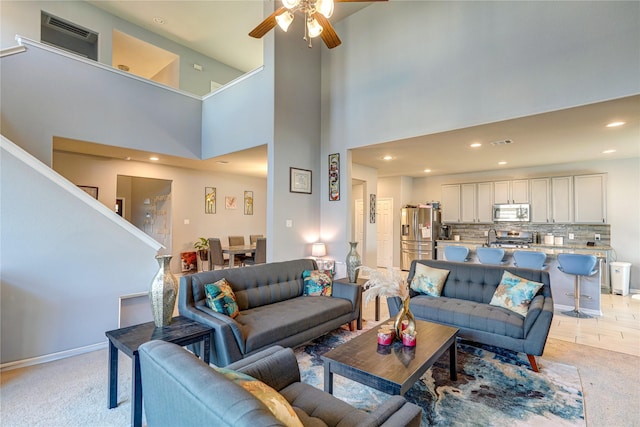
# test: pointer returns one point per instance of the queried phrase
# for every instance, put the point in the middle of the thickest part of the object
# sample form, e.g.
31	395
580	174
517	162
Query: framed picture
299	181
209	200
372	208
231	202
248	202
92	191
334	177
189	262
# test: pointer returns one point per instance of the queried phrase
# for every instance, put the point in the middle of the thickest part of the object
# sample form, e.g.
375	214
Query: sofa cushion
277	404
317	283
468	314
515	293
220	298
272	323
428	280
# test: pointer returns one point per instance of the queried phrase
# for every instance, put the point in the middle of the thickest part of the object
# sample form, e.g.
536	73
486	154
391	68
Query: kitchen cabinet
590	198
541	200
484	202
515	191
468	203
450	203
562	199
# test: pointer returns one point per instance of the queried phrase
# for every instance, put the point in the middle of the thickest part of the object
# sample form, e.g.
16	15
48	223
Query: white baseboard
558	307
51	357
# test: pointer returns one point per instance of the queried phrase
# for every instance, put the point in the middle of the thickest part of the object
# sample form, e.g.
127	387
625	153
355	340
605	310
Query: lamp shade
318	249
284	20
313	27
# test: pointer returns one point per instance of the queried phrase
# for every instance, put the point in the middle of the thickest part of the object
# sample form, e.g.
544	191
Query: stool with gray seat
494	256
579	266
529	259
456	253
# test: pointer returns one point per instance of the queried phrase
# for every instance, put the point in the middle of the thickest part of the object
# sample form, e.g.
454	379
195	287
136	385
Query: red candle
385	336
409	339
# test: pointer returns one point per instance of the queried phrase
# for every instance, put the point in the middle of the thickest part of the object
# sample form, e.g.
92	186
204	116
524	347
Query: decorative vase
163	292
353	261
404	314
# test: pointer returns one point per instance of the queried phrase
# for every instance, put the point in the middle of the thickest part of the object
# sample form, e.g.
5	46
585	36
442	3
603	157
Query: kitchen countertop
533	246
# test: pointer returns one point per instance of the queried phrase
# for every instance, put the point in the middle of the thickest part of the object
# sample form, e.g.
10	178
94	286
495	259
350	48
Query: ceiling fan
316	14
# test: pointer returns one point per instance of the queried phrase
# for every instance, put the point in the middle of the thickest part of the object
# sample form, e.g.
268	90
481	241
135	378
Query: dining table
232	251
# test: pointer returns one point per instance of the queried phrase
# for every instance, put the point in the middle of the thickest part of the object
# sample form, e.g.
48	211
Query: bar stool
493	256
530	259
579	266
456	253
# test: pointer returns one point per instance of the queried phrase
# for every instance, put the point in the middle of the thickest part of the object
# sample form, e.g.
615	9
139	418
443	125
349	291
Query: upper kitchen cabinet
590	198
541	200
451	203
516	191
562	199
484	197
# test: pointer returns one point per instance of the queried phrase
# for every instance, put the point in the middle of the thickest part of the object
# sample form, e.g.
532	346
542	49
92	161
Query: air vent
68	28
502	142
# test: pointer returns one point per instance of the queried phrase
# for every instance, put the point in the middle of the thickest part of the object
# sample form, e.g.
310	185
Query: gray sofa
180	390
464	303
273	310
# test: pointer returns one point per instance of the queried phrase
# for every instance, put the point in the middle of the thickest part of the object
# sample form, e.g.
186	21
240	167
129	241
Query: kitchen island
561	283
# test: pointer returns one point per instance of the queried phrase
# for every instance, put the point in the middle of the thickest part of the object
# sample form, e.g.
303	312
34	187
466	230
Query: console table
181	331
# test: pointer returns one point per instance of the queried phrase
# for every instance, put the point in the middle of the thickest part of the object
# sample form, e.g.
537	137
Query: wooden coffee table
395	368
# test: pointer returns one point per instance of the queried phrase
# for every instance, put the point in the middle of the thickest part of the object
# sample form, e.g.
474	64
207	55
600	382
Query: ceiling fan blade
267	25
328	34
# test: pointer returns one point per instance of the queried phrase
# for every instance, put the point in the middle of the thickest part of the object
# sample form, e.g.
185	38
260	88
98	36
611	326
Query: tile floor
618	329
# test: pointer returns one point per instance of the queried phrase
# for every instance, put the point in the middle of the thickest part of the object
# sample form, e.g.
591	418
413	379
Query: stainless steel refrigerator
419	232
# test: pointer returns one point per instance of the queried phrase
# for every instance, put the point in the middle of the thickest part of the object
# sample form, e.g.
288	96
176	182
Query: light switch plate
289	223
597	236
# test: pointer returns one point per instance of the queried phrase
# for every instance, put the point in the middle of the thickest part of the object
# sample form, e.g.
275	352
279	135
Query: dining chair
254	237
236	240
216	257
260	256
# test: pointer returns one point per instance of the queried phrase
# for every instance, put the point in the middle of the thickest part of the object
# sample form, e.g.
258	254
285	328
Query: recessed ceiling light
387	157
154	158
475	145
158	20
608	151
427	170
502	163
615	124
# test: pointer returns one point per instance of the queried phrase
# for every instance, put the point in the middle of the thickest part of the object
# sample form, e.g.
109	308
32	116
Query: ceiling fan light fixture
290	4
325	7
284	20
313	27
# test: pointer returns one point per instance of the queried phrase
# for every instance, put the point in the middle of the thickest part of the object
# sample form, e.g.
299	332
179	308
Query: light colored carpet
73	391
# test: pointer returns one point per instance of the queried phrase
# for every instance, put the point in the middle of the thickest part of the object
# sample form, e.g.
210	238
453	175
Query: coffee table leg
453	361
328	377
113	375
136	392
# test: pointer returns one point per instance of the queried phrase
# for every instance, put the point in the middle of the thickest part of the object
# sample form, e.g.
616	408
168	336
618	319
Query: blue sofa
273	310
464	304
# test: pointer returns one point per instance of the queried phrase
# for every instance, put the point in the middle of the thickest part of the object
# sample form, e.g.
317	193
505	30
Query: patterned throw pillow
428	280
515	293
220	298
277	404
317	283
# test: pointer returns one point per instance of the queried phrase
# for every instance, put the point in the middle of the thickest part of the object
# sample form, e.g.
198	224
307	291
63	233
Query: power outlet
597	236
572	236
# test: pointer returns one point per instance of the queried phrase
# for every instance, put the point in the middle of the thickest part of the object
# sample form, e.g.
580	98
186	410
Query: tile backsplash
583	233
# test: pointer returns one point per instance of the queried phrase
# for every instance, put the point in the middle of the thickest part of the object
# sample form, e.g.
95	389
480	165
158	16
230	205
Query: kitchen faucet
489	236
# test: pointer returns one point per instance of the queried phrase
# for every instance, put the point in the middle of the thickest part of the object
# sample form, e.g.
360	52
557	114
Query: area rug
495	387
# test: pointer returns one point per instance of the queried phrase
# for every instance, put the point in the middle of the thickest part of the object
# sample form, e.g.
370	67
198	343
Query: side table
181	331
361	282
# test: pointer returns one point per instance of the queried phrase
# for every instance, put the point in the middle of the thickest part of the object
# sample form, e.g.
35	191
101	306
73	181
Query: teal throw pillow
428	280
221	299
317	283
515	293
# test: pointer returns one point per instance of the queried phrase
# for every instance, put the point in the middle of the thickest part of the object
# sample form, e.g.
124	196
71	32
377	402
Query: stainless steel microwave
515	213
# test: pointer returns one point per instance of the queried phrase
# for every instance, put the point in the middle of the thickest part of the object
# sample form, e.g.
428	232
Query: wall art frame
231	202
334	177
209	200
372	208
92	191
248	202
299	181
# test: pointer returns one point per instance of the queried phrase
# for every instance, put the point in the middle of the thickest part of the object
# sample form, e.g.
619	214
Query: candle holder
409	339
385	336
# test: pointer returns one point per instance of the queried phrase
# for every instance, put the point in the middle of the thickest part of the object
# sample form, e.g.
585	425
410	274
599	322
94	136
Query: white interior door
385	232
358	222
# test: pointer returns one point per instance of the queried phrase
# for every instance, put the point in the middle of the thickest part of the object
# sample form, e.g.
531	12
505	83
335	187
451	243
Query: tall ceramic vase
163	292
353	261
404	313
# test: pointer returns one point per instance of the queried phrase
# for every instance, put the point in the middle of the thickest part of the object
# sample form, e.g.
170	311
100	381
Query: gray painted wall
441	66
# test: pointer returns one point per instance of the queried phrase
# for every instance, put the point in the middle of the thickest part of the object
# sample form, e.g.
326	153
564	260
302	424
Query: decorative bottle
353	261
163	292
